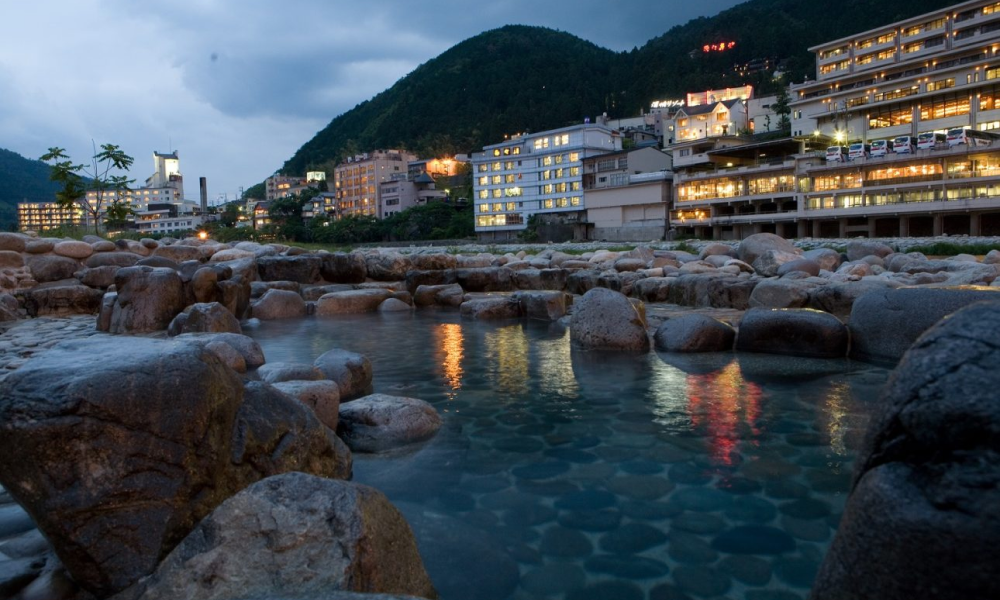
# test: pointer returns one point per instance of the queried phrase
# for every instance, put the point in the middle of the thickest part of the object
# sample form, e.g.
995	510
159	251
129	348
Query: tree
781	108
99	177
230	214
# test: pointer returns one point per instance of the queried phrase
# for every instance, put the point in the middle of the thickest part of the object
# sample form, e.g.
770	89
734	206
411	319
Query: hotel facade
535	174
915	79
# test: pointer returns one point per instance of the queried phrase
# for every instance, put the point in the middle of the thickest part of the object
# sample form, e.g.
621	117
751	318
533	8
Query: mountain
21	180
520	78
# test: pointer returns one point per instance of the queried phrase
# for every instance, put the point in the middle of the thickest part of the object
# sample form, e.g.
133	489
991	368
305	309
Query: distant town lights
720	47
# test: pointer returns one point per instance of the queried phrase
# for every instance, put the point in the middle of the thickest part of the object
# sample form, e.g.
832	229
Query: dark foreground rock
351	371
884	324
793	332
378	422
293	534
694	333
117	451
923	517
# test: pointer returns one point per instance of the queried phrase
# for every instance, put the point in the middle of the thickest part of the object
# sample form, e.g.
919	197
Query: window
497	207
541	143
484	194
722	116
562	140
547	161
990	9
559	158
708	189
941	84
894	94
574	171
497	193
866	43
831	53
546	189
513	192
484	180
575	186
886	54
547	204
965	33
890	116
837	182
495	166
511	206
495	180
886	38
989	98
496	152
864	60
948	105
509	165
575	201
562	203
574	157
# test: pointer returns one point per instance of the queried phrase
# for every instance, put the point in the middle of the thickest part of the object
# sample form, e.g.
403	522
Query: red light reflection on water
451	353
719	403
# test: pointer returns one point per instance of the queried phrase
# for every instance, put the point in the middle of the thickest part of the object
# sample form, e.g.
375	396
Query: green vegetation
100	176
519	78
952	249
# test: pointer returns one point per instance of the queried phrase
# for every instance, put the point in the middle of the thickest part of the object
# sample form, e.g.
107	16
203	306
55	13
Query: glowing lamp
202	235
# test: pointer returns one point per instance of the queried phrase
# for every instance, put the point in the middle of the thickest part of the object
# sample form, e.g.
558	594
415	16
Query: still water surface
562	473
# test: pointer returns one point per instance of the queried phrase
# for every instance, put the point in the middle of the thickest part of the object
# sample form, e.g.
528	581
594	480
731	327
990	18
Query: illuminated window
511	206
575	201
562	140
561	188
495	180
864	60
574	171
575	186
497	193
541	143
497	207
508	178
547	161
496	152
886	54
886	38
574	157
560	158
484	208
517	150
547	204
948	105
941	84
484	194
495	166
484	180
546	189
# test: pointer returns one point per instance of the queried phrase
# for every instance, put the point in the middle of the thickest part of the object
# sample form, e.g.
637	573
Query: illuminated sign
720	47
667	104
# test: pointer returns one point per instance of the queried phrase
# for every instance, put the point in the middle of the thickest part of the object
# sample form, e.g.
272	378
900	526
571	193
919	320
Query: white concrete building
535	174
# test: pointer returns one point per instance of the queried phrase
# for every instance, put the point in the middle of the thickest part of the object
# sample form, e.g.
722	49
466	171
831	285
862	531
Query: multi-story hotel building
358	181
535	174
932	74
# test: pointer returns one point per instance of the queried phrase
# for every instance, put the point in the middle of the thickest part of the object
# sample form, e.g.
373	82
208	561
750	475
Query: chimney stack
203	184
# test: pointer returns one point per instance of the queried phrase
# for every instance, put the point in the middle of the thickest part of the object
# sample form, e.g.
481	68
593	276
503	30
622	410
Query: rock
73	249
629	264
55	299
803	265
204	318
259	288
716	250
925	484
544	306
178	253
758	244
541	279
160	431
793	332
827	258
148	299
491	308
858	249
339	267
378	422
694	333
604	319
231	254
118	259
301	269
390	266
275	372
487	279
294	534
884	324
39	246
784	293
158	261
351	371
247	347
11	260
351	302
992	258
770	262
323	397
439	295
46	267
838	298
13	242
394	305
99	277
416	279
434	262
278	304
229	356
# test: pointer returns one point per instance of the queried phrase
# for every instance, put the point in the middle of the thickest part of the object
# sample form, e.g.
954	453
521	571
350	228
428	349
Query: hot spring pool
562	473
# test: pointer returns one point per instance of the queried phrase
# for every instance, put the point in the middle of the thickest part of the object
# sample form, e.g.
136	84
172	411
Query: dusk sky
237	87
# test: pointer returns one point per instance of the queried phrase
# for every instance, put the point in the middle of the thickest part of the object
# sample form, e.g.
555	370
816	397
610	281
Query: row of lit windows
509	150
558	140
499	220
713	188
560	188
771	185
558	159
839	66
887	198
498	207
514	192
561	202
924	27
559	173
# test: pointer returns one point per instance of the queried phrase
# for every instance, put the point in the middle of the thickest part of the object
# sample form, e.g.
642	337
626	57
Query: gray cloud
236	88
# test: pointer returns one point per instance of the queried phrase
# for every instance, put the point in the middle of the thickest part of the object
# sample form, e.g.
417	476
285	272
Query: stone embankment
215	432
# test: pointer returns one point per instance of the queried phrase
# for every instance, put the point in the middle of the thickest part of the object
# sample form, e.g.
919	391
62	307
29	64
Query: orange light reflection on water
450	348
719	403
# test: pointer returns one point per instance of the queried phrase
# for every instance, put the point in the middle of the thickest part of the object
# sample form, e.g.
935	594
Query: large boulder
148	299
756	245
62	299
858	249
339	267
604	319
351	371
390	266
828	259
278	304
118	450
544	306
784	293
117	259
378	422
289	535
275	372
351	302
246	346
179	253
322	396
694	332
885	323
439	295
227	254
98	277
491	308
921	520
73	249
792	332
301	269
541	279
486	279
770	262
434	262
14	242
210	317
47	267
839	297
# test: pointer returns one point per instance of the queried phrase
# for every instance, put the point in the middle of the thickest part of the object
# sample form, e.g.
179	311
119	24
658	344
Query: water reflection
555	367
724	406
449	342
836	417
507	359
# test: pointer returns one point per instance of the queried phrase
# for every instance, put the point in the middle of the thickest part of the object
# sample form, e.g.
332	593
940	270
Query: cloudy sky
237	87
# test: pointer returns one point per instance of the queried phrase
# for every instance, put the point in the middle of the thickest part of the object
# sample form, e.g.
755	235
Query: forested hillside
21	179
520	78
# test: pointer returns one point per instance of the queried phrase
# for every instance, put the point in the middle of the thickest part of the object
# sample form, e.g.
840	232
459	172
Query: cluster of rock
156	470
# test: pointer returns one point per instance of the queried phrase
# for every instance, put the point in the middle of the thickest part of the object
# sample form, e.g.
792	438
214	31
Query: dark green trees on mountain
22	180
520	78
